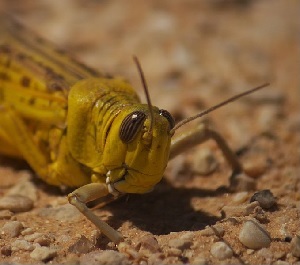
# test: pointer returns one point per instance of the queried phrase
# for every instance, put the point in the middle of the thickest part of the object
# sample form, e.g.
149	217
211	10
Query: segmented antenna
205	112
145	87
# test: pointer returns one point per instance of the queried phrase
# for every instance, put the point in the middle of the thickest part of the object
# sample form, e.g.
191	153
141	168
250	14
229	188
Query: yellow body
64	119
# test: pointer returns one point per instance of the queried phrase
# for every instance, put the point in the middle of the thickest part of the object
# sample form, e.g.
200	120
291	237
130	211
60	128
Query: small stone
43	253
219	230
175	252
254	236
266	253
182	242
148	244
16	203
221	251
24	188
207	231
21	244
105	257
250	251
82	246
242	182
155	258
204	162
240	210
240	197
6	215
43	241
33	236
295	246
64	213
199	260
27	231
280	262
255	167
12	228
265	198
6	251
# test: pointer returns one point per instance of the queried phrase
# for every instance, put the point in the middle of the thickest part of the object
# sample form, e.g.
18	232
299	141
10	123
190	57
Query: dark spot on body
25	81
4	76
31	101
21	56
5	49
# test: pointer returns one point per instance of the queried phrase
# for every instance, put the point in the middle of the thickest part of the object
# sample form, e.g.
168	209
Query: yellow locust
79	128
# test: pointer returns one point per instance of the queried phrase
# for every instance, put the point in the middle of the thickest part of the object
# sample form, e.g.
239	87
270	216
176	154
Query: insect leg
199	135
87	193
20	136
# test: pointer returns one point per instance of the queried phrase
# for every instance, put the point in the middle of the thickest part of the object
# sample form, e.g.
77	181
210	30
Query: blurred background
194	54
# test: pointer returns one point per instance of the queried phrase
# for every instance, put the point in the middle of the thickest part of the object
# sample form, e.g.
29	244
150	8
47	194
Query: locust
86	130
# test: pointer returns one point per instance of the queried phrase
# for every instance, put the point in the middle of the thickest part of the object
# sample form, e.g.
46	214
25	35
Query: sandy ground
194	54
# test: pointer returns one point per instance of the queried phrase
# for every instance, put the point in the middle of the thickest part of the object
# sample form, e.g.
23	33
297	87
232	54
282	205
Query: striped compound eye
130	126
168	116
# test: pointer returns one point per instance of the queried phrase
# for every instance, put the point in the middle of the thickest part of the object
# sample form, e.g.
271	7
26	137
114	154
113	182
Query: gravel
43	253
239	210
295	246
82	245
24	187
64	213
16	203
106	257
21	244
221	251
265	198
12	228
254	236
183	242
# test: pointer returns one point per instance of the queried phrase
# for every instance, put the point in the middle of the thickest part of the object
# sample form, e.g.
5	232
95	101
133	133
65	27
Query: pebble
266	254
6	251
24	188
221	251
82	246
254	236
240	210
265	198
43	241
16	203
105	257
295	246
64	213
240	197
199	260
21	244
280	262
12	228
182	242
33	236
6	215
255	167
242	182
43	253
219	230
174	252
204	161
148	244
27	231
207	231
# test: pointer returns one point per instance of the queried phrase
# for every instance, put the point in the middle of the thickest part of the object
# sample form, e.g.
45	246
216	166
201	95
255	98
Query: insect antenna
225	102
145	87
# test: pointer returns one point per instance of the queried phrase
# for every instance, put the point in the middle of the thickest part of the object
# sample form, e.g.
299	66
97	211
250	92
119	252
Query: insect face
146	154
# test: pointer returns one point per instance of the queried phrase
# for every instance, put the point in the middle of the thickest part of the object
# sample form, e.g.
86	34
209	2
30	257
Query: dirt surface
194	54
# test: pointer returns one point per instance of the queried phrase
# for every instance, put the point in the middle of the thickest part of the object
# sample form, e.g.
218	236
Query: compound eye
131	125
168	116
